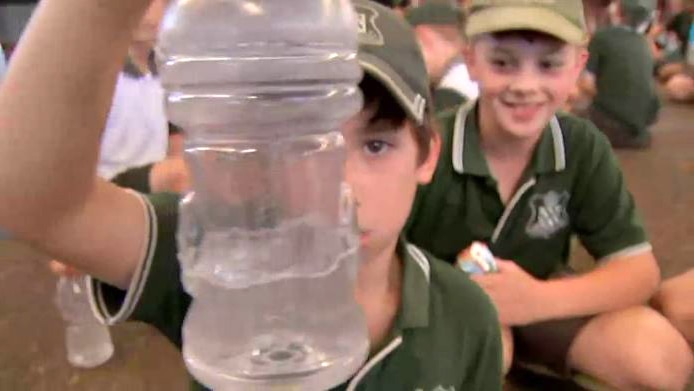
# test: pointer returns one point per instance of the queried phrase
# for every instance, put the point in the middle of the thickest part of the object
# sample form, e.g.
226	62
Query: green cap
441	13
389	52
560	18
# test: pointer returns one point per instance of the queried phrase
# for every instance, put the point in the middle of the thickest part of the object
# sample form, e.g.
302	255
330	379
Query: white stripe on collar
380	356
459	135
421	259
559	147
459	140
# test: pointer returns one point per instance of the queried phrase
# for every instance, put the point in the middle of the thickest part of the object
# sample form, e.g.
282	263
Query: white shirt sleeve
457	78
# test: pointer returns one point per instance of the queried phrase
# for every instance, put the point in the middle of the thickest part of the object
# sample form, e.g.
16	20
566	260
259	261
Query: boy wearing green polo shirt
431	328
619	78
523	178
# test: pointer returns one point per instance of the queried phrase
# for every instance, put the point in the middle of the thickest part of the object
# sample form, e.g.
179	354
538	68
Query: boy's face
383	169
524	79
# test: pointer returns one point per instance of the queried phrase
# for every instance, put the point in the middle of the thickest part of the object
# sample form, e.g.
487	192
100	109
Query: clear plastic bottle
266	238
88	341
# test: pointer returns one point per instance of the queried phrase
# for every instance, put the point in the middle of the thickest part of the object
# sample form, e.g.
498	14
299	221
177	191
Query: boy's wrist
546	303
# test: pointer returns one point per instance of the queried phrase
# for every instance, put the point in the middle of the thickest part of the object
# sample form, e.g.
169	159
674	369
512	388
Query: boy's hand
62	269
516	294
170	174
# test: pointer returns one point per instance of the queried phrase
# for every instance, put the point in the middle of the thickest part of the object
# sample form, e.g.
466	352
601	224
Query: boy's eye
501	63
549	64
375	147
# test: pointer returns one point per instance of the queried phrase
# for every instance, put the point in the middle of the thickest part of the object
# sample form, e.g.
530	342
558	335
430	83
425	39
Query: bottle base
291	366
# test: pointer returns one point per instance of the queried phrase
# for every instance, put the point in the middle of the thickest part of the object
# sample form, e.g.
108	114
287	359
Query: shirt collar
468	158
414	308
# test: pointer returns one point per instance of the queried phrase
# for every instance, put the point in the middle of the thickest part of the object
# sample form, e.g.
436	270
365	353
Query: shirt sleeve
604	212
483	363
486	372
155	295
135	178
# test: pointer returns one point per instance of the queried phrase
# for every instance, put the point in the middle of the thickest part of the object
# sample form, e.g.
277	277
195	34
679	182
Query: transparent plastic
88	341
266	237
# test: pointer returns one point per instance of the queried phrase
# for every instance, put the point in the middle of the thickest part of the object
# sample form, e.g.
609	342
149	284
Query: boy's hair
387	109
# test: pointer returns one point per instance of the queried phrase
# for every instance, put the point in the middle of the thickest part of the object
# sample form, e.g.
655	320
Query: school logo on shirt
548	214
369	33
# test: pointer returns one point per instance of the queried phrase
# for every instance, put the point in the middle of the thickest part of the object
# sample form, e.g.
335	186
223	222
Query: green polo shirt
573	185
623	65
446	334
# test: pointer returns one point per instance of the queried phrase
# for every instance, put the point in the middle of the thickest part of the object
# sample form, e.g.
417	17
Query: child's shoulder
580	135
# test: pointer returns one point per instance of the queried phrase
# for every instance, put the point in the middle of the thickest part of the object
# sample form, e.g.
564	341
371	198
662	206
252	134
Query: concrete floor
32	356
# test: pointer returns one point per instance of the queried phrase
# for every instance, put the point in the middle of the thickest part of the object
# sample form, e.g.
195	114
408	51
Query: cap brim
413	103
493	19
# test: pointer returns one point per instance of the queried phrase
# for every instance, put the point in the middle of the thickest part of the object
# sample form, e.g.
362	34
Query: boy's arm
53	106
619	283
605	217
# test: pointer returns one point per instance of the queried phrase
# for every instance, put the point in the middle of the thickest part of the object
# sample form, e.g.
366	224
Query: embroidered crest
369	33
548	214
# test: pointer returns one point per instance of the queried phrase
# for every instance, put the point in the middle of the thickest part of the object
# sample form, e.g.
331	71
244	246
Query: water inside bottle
305	331
88	345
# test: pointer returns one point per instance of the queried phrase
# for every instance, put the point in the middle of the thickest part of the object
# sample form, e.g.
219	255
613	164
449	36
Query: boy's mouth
523	111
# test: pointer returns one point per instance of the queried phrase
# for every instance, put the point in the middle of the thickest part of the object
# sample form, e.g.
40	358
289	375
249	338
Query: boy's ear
582	59
426	169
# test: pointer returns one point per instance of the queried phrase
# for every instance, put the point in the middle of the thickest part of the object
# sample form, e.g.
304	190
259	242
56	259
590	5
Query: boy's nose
525	83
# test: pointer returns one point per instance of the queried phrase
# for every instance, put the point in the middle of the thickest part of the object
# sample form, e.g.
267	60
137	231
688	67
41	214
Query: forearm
617	284
53	105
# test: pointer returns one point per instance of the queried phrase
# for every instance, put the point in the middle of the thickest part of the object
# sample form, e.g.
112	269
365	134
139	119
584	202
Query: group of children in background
495	160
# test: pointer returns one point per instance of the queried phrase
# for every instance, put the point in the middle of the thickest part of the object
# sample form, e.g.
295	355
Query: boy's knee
660	358
680	88
678	309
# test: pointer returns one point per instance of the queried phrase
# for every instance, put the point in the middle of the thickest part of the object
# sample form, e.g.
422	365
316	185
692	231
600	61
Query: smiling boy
523	178
430	327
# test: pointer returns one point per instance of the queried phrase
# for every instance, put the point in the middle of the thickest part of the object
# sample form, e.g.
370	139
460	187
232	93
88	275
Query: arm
619	283
605	217
53	105
603	214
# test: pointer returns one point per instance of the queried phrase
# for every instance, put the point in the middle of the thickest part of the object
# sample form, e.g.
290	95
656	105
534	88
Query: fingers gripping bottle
266	237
